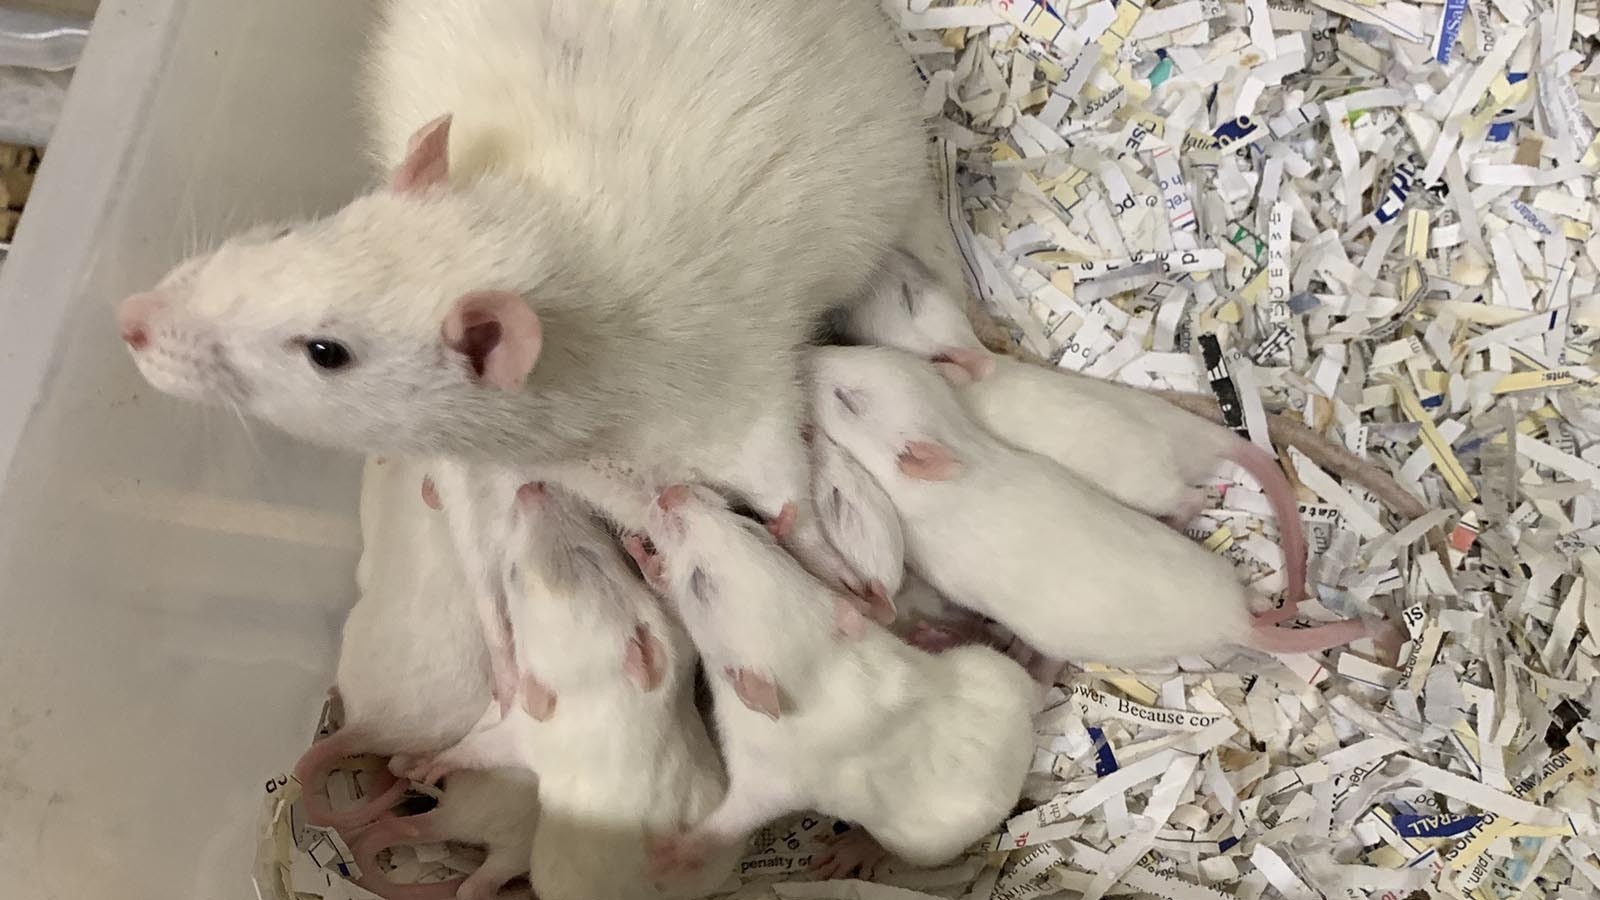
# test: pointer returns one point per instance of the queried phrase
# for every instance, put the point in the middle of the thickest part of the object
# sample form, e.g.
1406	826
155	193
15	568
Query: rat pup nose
134	315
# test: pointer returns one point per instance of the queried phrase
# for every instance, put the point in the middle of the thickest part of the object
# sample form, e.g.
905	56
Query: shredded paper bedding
1379	218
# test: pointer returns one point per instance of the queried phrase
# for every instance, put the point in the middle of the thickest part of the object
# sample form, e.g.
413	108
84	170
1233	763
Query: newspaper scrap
1378	216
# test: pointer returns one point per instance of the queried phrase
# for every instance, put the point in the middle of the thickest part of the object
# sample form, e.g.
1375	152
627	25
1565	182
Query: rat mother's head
399	324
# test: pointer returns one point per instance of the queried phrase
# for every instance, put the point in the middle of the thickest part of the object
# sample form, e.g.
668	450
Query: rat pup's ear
427	161
928	461
498	333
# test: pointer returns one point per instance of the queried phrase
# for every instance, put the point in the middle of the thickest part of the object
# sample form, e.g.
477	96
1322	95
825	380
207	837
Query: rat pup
818	708
413	674
1132	445
497	810
1015	536
556	272
858	520
604	709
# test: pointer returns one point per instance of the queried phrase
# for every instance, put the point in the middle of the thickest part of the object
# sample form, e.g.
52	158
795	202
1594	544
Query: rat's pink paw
673	496
647	559
880	608
933	638
676	855
644	659
848	622
783	526
853	853
758	692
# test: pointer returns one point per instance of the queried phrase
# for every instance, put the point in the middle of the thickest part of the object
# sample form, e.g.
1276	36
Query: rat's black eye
326	354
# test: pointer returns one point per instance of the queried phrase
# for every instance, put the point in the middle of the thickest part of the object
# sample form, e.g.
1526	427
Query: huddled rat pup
819	708
603	710
413	674
1019	538
1130	444
497	810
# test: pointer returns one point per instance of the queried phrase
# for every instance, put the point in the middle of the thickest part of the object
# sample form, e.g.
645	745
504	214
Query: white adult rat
611	237
818	708
1132	445
497	810
604	713
1015	536
413	674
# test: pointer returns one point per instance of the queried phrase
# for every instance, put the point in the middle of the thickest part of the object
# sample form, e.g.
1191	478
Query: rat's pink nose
673	497
134	315
530	493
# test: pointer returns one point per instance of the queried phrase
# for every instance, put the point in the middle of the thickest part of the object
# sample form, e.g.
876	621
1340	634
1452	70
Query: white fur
479	501
857	516
412	673
679	190
1132	445
918	604
928	753
1129	444
1020	539
616	763
498	809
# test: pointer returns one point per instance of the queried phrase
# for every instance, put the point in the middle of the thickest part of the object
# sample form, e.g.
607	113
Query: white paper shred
1384	213
1378	218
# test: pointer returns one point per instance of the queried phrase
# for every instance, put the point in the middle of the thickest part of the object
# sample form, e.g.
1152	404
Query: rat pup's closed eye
849	399
700	585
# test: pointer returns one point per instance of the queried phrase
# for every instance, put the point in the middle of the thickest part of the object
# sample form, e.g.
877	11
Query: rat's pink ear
928	461
977	364
498	333
427	161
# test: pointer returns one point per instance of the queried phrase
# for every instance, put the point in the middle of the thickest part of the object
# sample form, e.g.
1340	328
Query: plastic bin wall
171	584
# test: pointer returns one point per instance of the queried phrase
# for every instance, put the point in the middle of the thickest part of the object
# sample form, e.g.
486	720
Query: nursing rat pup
618	224
861	523
818	708
413	675
1127	443
497	810
604	713
1015	536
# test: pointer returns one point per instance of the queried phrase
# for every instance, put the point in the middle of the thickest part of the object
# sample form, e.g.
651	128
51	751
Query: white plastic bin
170	586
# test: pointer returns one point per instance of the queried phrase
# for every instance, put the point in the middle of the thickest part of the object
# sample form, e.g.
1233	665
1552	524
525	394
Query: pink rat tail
1315	639
399	831
317	763
1291	538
